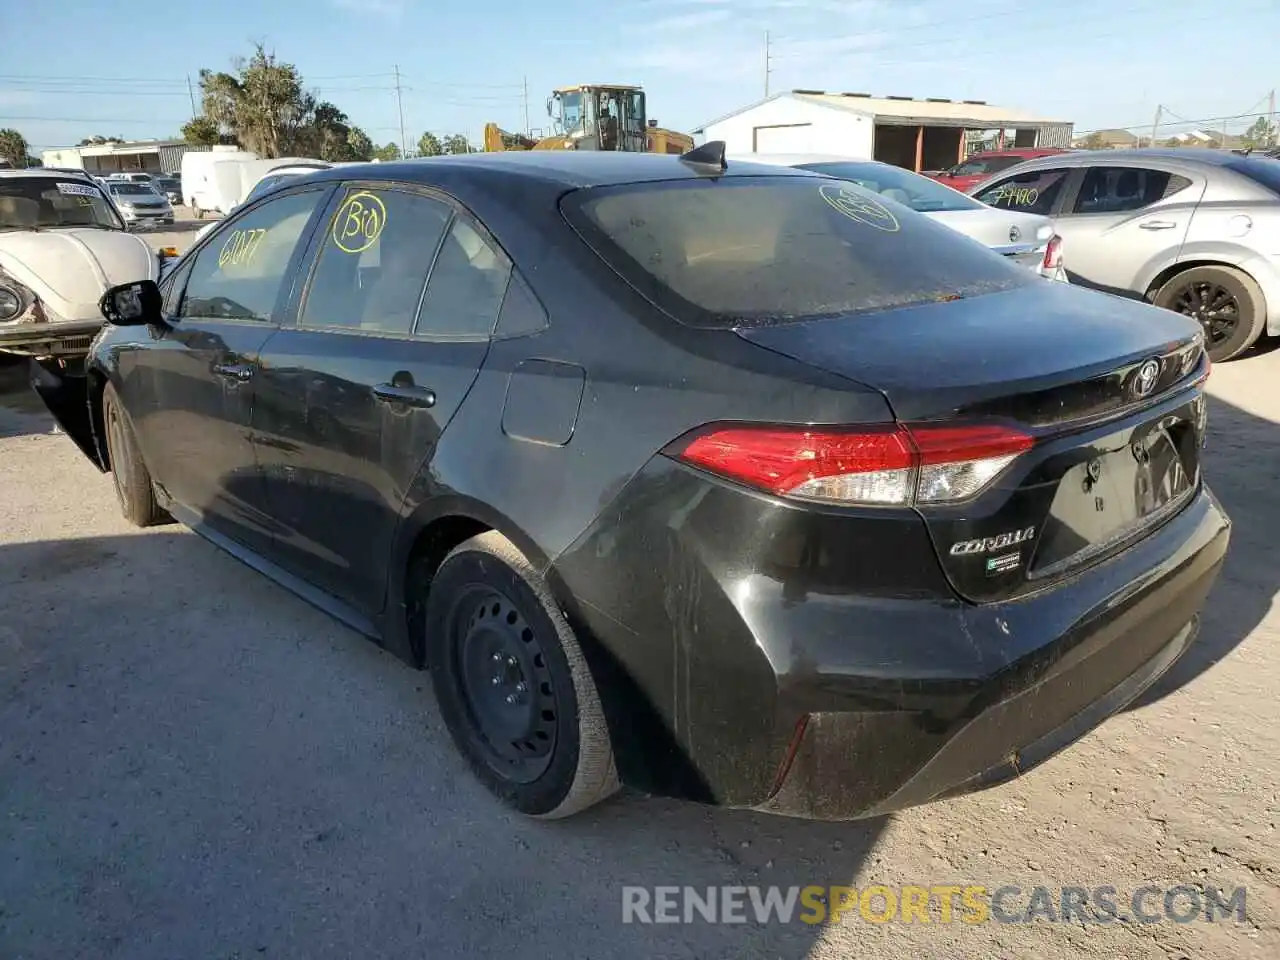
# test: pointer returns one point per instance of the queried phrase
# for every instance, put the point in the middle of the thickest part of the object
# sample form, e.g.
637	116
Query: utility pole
192	95
767	64
1155	124
404	144
1271	119
526	105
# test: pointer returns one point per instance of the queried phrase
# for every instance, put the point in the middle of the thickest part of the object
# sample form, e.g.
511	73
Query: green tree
97	140
1093	141
34	162
456	143
261	103
13	147
387	153
201	132
359	144
1173	142
429	145
1261	134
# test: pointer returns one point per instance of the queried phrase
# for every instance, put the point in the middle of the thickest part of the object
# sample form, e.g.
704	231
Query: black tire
132	480
513	686
1227	302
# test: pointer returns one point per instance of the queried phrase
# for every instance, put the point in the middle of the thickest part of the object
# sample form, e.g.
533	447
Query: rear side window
752	251
1035	191
1120	189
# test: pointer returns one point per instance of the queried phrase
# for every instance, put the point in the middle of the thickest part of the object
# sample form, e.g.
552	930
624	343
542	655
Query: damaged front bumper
61	339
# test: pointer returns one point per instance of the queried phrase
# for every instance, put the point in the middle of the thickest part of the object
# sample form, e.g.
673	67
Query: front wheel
1228	304
513	686
134	489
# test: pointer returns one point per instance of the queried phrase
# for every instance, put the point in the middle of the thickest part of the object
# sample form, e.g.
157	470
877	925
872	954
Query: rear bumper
737	681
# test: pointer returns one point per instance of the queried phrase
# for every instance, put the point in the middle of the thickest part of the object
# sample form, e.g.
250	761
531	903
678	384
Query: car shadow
21	410
1241	464
216	746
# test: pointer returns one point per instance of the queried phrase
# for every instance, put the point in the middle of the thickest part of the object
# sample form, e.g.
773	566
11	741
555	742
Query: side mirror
133	304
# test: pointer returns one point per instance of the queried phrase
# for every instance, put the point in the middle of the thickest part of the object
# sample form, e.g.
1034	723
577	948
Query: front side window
240	273
1035	191
40	202
1121	189
374	259
765	250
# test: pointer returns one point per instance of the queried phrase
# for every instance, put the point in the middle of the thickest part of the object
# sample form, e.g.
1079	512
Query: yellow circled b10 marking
241	247
359	222
859	207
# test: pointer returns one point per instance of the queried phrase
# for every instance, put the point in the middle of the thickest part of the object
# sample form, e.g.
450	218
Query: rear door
1121	219
391	331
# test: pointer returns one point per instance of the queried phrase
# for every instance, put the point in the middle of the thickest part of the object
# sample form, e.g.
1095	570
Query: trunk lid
1009	233
1109	388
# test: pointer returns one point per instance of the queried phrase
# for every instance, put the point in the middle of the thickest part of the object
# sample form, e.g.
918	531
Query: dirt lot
195	764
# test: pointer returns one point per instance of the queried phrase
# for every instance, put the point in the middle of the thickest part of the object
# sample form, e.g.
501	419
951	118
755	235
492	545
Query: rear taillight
1053	253
891	465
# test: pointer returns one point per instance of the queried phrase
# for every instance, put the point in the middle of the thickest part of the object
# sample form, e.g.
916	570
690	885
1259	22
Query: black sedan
726	482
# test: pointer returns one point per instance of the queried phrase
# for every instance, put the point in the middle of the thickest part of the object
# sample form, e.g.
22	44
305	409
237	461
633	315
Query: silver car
1195	231
140	204
1025	238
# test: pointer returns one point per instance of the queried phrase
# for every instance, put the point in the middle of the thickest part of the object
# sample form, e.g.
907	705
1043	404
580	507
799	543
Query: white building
917	134
150	156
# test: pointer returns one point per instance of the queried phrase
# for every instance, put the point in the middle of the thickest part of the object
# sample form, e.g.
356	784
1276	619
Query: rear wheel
132	480
513	686
1227	303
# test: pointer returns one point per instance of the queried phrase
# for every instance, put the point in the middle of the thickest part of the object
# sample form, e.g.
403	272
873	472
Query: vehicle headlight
10	303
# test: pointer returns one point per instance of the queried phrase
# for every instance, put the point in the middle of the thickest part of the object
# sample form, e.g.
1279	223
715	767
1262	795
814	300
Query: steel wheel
506	685
1216	308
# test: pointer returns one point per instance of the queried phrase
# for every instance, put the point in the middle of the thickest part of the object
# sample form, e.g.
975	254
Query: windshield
571	111
132	189
758	251
910	189
984	165
36	202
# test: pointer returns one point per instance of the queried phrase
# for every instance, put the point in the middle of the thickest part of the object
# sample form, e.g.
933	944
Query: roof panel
936	109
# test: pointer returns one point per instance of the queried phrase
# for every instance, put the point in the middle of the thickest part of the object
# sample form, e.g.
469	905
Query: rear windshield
1260	170
758	251
130	189
919	193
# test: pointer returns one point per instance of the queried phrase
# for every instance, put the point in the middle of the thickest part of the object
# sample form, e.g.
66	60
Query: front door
1122	220
201	371
391	331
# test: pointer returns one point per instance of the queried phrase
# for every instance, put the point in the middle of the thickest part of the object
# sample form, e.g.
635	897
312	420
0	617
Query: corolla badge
1144	381
987	544
1014	234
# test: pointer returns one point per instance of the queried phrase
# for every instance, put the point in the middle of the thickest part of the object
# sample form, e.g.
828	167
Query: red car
982	166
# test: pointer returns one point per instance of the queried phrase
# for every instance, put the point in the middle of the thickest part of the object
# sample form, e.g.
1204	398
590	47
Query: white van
211	178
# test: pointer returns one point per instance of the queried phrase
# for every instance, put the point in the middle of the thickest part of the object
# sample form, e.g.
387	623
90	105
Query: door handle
1157	225
235	371
410	396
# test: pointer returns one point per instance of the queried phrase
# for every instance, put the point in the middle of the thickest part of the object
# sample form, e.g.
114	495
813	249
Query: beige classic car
62	244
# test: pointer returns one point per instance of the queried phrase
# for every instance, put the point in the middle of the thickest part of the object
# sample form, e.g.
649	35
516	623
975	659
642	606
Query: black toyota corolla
732	483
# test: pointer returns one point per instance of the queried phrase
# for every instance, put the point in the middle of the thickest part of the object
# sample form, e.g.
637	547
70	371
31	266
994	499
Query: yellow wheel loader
595	116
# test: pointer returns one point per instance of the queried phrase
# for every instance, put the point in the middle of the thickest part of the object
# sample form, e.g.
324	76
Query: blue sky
81	68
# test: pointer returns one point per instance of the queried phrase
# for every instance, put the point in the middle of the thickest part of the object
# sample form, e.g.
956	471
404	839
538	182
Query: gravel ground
193	763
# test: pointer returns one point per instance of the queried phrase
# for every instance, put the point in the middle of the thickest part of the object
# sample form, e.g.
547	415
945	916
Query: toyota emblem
1014	234
1144	381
